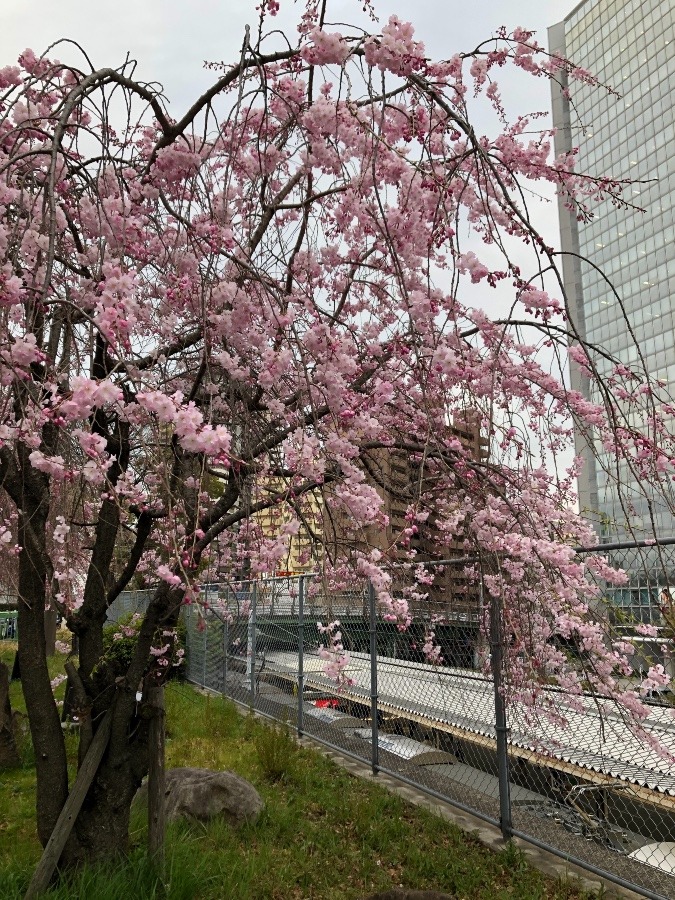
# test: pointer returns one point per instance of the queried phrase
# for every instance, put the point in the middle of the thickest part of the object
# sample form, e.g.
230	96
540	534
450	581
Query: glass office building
630	46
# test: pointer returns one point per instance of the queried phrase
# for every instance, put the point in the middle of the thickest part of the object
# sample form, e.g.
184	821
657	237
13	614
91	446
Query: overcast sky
171	38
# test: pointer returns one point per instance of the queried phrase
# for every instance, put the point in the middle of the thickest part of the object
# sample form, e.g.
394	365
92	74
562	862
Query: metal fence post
188	642
501	728
250	659
301	651
372	615
226	644
205	648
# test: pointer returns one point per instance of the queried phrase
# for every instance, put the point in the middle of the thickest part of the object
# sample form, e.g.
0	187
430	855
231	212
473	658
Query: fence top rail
245	585
647	544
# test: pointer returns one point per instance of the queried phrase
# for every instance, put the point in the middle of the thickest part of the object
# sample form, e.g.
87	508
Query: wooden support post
64	824
156	777
16	669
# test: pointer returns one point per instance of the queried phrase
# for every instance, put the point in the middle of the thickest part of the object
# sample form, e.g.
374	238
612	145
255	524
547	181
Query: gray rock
204	794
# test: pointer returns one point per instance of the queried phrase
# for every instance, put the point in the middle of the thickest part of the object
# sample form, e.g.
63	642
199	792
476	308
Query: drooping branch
143	531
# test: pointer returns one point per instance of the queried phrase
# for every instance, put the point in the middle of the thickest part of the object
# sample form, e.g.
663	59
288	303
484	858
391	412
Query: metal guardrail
8	626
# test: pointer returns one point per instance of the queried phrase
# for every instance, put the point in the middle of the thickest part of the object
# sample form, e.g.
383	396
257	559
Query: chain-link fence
426	704
605	785
128	603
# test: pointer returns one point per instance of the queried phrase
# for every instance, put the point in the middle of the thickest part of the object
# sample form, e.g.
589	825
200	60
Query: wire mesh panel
437	718
194	648
128	603
296	683
601	793
377	691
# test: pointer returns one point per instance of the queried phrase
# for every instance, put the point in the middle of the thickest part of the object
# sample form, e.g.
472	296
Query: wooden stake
156	777
64	824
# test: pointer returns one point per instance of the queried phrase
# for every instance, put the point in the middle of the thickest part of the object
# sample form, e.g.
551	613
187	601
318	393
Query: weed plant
275	749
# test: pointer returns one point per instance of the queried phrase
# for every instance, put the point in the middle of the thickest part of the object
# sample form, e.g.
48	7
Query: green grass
18	842
323	835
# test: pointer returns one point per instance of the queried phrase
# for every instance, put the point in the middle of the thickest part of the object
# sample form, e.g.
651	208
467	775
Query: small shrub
275	749
64	640
513	858
119	642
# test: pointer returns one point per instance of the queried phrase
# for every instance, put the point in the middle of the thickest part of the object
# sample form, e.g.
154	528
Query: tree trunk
9	756
50	631
156	777
51	765
64	826
103	824
102	827
45	726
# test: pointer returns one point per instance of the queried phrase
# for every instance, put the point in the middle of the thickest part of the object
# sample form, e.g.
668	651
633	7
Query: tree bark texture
9	756
45	726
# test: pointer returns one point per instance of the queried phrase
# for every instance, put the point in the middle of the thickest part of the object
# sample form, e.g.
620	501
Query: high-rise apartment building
628	45
399	479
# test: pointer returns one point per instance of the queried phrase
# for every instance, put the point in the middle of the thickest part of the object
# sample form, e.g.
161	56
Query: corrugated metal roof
599	741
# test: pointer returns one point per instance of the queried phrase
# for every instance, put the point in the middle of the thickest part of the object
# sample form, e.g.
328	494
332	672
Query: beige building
304	548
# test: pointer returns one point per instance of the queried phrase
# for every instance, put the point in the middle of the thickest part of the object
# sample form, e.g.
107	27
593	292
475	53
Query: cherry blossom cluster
333	653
